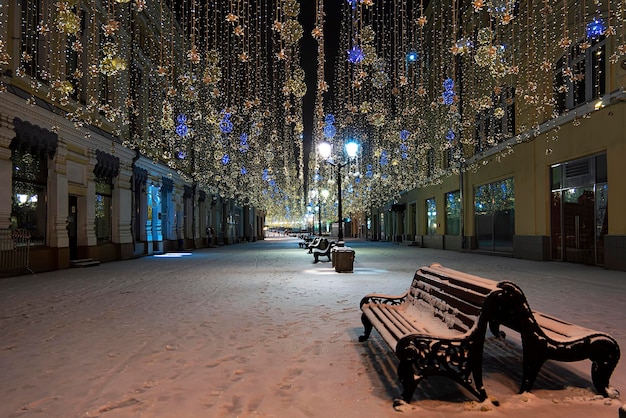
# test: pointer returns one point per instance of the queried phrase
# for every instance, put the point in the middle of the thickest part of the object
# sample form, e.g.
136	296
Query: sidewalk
258	330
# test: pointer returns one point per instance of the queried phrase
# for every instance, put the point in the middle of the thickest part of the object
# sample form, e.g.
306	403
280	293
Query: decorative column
122	207
87	220
58	199
140	176
6	172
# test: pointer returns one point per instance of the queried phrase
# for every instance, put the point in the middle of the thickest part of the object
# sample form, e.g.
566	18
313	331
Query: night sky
308	49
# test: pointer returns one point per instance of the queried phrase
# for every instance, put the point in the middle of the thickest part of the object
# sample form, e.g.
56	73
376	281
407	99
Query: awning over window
107	166
34	139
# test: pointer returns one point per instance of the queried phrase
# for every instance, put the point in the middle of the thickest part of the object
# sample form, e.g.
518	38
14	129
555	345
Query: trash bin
343	259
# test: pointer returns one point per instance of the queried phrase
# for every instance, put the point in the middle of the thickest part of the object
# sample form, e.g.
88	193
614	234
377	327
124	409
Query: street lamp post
319	217
324	193
325	150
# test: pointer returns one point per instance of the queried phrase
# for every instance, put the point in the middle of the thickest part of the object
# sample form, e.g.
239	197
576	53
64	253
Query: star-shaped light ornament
355	54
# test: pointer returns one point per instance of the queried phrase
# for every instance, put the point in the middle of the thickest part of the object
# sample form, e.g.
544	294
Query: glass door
579	225
494	216
578	213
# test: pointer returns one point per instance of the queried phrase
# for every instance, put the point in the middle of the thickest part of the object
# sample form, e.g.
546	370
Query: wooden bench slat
455	288
455	299
560	329
467	312
389	331
476	283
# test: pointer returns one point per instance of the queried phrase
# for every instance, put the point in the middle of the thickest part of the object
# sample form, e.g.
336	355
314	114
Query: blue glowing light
384	160
355	54
182	130
226	126
182	155
353	3
265	175
243	142
404	134
450	135
330	131
595	28
225	159
329	119
448	97
244	171
181	127
448	94
411	56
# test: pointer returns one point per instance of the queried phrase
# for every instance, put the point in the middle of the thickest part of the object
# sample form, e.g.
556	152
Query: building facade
541	173
71	184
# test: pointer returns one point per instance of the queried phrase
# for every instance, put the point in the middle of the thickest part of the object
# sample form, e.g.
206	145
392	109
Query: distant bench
438	327
322	249
306	241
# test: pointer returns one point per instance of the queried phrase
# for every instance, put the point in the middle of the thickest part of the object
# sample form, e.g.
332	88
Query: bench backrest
457	298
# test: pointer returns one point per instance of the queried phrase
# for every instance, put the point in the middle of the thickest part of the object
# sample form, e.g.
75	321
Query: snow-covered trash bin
343	259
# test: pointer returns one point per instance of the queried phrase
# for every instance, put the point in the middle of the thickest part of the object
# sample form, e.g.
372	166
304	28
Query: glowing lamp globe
324	149
352	148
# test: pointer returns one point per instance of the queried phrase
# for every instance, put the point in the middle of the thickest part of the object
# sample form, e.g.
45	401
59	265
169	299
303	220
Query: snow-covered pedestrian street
258	330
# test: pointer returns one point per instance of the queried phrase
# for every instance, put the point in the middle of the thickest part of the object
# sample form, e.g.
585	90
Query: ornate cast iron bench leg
367	324
408	378
604	357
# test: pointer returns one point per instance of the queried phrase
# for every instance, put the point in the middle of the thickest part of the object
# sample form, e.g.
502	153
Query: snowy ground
258	330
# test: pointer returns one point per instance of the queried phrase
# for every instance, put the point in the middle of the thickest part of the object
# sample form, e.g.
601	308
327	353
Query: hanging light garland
424	71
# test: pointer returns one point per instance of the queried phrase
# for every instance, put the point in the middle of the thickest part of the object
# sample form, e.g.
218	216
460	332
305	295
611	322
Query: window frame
566	91
39	182
107	203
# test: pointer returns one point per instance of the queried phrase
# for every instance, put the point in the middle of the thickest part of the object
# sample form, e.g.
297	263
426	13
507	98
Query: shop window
28	205
431	217
453	213
104	188
494	211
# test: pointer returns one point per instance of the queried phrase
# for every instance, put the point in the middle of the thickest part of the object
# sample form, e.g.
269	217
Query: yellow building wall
604	131
529	164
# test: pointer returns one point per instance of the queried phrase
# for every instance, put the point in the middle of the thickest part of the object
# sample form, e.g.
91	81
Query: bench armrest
383	299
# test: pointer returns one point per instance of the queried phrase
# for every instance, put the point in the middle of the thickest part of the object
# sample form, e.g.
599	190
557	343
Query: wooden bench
306	241
314	244
323	249
437	327
545	337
